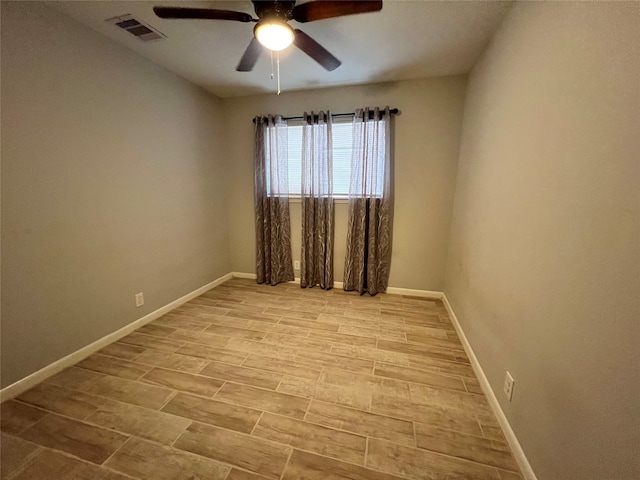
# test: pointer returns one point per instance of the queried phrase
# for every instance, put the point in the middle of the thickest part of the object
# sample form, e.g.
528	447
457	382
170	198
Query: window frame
338	197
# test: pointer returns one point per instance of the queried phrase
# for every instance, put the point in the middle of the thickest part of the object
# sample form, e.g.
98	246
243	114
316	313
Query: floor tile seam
286	464
328	427
313	452
348	407
475	462
116	451
22	402
73	457
407	419
232	349
430	385
366	452
201	309
285	319
363	465
174	393
458	432
467	460
118	342
415	435
151	326
359	434
260	388
171	317
226	429
25	461
94	394
341	369
239	366
484	434
455	349
283	373
373	337
448	408
77	365
171	397
90	423
341	357
310	399
147	347
250	435
257	422
253	338
168	338
192	454
444	374
246	317
469	463
218	391
150	440
222	350
157	384
453	362
432	347
295	314
379	414
277	344
456	362
369	377
137	362
338	344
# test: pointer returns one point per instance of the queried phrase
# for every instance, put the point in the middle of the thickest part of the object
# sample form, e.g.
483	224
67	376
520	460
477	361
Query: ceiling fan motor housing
278	9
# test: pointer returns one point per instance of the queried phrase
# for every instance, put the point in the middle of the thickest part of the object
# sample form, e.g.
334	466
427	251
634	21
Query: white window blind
342	136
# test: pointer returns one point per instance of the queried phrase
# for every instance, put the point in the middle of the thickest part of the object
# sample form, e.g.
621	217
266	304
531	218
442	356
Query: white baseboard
509	434
32	380
335	284
415	293
244	275
296	280
392	290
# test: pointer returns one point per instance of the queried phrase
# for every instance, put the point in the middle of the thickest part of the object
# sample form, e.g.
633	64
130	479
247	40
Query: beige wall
111	185
543	270
427	137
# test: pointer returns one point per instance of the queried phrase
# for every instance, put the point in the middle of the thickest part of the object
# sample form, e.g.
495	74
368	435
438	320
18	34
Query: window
342	137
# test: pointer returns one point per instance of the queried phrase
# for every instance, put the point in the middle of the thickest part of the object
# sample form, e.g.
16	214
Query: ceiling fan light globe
274	35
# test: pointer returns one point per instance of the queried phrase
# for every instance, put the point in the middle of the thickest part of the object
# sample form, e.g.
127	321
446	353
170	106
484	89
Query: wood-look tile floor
253	382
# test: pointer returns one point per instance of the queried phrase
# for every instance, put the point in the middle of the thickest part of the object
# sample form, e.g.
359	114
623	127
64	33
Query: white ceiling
406	40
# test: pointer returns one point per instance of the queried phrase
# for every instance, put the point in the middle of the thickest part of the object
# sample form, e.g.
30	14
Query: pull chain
271	54
278	65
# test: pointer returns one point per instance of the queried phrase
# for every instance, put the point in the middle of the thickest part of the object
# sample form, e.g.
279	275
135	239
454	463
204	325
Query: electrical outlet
508	385
139	299
296	265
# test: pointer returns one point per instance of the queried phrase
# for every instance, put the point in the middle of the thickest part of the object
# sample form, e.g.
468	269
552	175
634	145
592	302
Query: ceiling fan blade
321	9
202	14
250	56
316	51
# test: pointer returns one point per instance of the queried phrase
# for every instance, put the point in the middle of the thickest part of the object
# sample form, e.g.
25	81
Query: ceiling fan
272	29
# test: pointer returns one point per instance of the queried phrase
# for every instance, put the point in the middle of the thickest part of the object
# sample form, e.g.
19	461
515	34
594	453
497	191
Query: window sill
338	200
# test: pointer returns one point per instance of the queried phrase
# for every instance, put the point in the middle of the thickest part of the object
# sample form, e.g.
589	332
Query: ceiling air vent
137	28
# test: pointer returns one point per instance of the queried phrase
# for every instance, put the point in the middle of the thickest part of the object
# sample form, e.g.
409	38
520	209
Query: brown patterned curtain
316	265
368	257
273	225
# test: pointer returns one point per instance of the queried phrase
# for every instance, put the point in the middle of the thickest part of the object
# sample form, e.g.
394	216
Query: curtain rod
393	111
